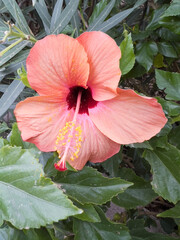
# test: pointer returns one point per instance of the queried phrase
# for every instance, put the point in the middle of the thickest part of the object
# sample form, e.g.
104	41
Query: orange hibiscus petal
128	118
103	57
57	63
39	120
96	147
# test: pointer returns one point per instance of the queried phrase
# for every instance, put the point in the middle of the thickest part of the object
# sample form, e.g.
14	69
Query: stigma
68	141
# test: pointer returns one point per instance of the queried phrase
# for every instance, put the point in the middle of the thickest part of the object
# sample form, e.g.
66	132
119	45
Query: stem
10	46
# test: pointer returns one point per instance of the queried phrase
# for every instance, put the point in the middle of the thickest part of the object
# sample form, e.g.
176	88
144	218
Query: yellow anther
72	158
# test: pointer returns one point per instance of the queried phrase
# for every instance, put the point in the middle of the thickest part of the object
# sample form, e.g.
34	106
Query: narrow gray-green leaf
102	16
56	13
17	14
165	164
37	200
170	82
113	21
65	16
97	10
89	186
127	55
42	10
10	95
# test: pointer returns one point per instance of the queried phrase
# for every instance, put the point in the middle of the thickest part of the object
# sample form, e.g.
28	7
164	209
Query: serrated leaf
145	53
100	231
169	81
171	213
16	140
138	232
171	108
140	194
174	136
12	52
89	186
17	14
111	165
144	144
172	23
155	17
89	213
127	60
10	95
65	17
3	127
22	188
116	19
97	10
165	164
173	9
8	233
42	10
102	16
167	50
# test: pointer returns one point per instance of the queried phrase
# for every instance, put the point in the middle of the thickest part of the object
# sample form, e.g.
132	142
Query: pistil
69	139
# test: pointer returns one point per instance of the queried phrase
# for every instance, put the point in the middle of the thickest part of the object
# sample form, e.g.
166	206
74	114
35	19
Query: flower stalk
17	34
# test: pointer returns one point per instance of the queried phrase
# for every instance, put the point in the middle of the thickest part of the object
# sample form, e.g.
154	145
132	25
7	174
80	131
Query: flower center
68	142
86	99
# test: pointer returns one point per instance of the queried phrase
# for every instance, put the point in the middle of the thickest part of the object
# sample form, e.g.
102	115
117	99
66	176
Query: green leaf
173	10
3	127
138	232
112	164
97	10
16	140
65	17
36	199
23	76
17	14
140	194
145	53
102	16
144	144
171	213
174	137
158	61
155	17
167	50
89	213
127	60
8	233
170	108
172	23
42	10
169	81
89	186
10	95
116	19
165	164
100	231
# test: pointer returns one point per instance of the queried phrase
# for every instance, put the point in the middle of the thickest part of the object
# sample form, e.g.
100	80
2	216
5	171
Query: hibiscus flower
80	111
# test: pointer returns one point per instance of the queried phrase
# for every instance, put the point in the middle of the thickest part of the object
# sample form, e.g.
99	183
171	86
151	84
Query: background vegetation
138	188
